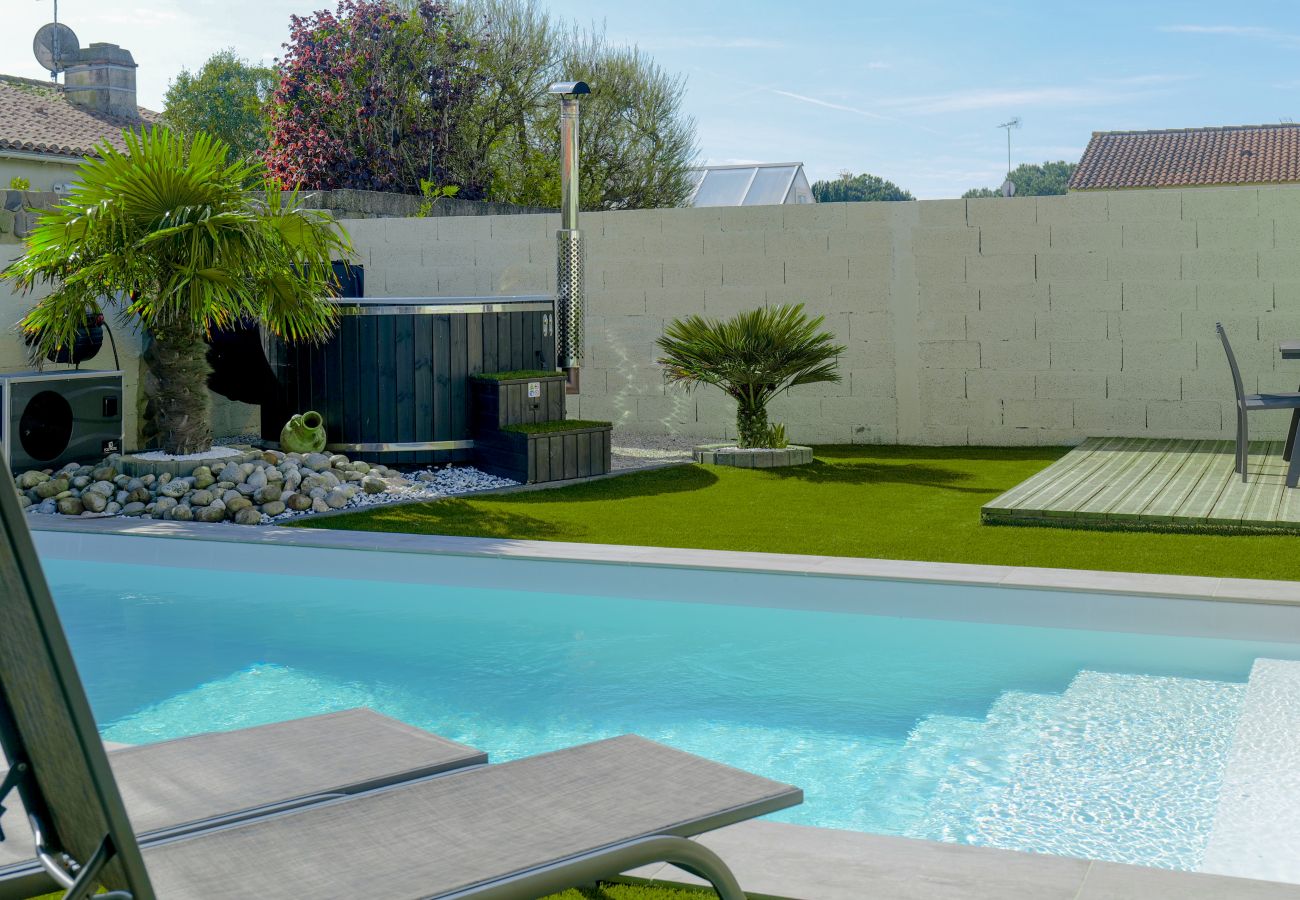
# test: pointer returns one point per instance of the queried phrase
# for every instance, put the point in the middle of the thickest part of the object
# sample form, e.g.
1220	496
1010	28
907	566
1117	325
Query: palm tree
753	357
190	241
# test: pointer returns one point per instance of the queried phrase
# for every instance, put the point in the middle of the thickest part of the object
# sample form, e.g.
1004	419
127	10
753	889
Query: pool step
1256	831
1127	770
904	785
981	774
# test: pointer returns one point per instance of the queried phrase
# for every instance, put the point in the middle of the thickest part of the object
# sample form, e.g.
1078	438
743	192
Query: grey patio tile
1259	590
773	859
1113	582
909	570
1113	881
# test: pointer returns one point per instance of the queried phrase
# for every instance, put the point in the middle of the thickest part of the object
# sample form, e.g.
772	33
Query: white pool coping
1193	587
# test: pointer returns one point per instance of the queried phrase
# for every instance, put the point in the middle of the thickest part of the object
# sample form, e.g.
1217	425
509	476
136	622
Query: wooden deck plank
1048	493
1203	497
1118	488
1137	497
1013	497
1288	511
1195	464
1112	468
1237	494
1267	497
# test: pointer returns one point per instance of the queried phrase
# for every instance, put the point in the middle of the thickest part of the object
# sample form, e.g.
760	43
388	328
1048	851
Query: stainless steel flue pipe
570	287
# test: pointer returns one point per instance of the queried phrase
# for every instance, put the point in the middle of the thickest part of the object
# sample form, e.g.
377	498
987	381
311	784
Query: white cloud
802	98
1012	99
877	64
1252	32
711	42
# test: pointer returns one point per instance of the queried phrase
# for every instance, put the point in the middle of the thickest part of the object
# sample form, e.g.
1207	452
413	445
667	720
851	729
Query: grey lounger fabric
465	831
193	779
187	783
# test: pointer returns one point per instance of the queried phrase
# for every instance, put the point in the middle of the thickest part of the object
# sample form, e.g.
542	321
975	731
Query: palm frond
754	355
195	239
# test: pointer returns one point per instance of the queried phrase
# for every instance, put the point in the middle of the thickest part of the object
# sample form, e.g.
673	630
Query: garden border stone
730	455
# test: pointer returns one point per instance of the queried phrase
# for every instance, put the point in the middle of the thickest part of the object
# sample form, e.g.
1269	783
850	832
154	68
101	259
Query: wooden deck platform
1166	484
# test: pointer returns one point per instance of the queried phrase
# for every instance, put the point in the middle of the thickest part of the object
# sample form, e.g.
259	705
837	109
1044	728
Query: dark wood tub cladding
402	378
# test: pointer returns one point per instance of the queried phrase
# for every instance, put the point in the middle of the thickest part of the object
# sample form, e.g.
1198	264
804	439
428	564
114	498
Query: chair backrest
1232	364
46	726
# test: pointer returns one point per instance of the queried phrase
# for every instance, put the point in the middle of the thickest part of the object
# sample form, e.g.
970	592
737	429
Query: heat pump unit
48	419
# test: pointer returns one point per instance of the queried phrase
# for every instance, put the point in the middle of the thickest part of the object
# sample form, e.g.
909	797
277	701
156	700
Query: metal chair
1249	403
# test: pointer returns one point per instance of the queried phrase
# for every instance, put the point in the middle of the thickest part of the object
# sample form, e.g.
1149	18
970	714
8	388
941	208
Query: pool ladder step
981	775
1127	769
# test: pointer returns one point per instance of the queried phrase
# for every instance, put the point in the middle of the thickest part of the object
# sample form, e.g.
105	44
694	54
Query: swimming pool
914	709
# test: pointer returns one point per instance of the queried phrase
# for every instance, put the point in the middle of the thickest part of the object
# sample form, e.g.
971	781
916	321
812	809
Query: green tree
1033	180
752	356
225	98
637	141
192	241
854	188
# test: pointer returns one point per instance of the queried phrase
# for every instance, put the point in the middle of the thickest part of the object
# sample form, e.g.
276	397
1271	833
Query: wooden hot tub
393	381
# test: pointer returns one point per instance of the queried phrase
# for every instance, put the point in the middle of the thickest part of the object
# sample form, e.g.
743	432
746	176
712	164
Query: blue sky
910	91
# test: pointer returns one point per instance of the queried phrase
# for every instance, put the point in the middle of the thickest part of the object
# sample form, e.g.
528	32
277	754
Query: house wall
985	321
43	175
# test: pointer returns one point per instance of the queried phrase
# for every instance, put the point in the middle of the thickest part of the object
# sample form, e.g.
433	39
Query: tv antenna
55	45
1009	186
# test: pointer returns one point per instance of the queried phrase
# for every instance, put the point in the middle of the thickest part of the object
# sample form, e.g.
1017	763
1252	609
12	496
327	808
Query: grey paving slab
1114	582
798	862
1113	881
774	859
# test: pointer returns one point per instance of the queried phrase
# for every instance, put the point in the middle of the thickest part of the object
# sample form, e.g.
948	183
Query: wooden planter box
539	457
496	403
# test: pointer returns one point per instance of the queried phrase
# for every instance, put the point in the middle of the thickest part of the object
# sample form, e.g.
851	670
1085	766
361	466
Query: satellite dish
55	46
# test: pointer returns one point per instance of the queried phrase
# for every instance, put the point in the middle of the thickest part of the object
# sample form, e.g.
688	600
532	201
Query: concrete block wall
986	321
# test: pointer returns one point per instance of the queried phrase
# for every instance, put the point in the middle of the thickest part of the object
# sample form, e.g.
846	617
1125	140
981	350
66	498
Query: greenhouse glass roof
748	185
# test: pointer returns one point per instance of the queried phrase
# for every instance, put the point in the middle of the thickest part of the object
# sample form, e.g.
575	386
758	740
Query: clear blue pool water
1099	744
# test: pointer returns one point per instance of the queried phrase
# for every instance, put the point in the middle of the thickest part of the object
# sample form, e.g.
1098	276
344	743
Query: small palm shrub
753	357
194	241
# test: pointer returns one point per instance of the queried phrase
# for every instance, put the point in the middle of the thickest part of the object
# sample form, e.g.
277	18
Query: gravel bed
634	451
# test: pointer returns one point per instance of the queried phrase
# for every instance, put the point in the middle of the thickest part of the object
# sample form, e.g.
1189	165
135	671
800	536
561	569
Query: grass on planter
519	374
559	425
917	503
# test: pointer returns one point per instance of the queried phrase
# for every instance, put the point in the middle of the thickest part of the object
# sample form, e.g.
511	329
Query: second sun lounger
192	783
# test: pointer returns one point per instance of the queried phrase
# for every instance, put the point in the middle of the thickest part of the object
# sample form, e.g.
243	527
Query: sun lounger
198	782
514	831
520	829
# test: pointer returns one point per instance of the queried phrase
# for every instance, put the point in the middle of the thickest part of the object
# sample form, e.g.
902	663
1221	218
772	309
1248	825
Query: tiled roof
1188	157
36	117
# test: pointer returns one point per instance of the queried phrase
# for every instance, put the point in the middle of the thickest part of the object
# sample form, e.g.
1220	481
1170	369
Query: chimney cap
569	88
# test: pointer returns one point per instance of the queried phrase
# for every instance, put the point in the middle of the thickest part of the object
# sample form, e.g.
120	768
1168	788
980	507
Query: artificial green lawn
919	503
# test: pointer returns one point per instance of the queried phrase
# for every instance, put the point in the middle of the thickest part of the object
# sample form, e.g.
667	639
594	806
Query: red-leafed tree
372	96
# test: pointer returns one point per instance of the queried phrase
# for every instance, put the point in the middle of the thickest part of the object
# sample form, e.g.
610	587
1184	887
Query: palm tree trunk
177	386
751	424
